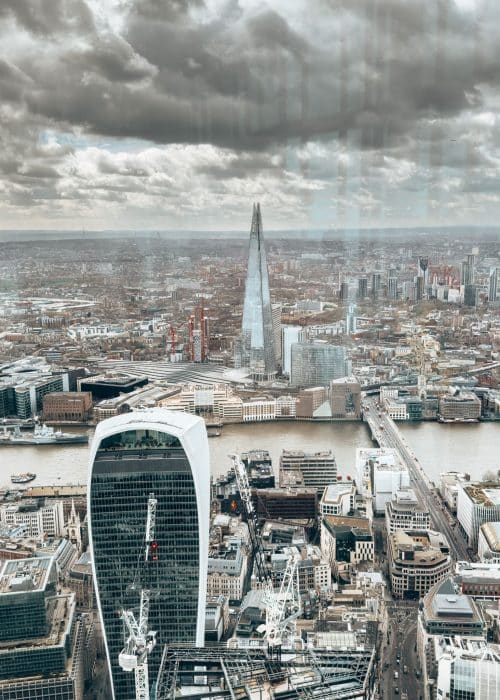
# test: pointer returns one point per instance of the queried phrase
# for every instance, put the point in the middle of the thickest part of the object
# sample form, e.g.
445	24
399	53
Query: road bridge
386	433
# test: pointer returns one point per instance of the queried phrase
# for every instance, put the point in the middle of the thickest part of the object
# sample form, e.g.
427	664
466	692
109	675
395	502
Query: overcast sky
180	113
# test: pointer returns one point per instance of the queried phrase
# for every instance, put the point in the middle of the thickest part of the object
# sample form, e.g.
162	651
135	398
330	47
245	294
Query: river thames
473	448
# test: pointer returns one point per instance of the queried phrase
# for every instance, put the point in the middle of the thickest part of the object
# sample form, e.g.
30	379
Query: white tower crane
141	641
283	606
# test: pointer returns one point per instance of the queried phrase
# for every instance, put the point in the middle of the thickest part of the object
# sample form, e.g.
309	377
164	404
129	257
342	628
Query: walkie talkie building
255	347
164	453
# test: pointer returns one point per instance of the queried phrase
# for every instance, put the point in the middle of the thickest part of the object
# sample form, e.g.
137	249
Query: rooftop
492	533
486	494
21	575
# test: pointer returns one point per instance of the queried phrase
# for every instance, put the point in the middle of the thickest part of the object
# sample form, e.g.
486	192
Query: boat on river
41	435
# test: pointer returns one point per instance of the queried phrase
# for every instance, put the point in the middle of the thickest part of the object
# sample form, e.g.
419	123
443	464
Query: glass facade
256	347
128	467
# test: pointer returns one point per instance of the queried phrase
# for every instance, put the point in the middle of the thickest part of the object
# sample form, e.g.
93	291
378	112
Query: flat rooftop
21	575
486	494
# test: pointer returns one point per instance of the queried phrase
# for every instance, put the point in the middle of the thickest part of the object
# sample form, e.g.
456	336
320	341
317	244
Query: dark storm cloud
251	81
394	92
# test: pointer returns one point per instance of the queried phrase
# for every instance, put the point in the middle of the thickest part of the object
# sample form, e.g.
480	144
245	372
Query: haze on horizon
178	114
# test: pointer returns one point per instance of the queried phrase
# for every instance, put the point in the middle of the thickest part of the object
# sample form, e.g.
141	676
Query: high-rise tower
255	347
164	453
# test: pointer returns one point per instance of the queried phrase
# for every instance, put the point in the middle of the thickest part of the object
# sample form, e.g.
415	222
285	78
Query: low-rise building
417	560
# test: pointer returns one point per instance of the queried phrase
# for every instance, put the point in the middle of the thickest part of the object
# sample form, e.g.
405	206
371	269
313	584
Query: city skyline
144	114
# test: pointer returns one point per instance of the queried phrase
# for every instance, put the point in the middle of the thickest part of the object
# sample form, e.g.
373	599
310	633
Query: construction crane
141	641
243	486
283	606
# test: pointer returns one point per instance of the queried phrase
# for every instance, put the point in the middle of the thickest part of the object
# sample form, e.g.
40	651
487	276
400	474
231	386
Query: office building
479	579
287	504
477	504
362	288
449	486
375	284
111	384
338	499
380	473
470	295
317	363
255	349
467	670
419	288
276	314
164	453
44	644
344	291
316	469
38	517
417	560
345	398
350	320
402	512
346	539
392	288
311	402
459	406
488	545
492	284
67	406
289	336
445	612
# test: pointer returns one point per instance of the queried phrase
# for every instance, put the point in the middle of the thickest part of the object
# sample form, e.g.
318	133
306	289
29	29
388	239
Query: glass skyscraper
164	453
255	348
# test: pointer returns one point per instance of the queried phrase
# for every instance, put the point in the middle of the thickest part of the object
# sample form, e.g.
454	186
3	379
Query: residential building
134	457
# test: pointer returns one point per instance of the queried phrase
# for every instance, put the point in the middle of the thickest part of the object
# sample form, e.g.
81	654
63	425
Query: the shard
255	348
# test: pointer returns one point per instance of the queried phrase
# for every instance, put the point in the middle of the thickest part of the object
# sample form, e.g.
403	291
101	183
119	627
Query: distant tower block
255	348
